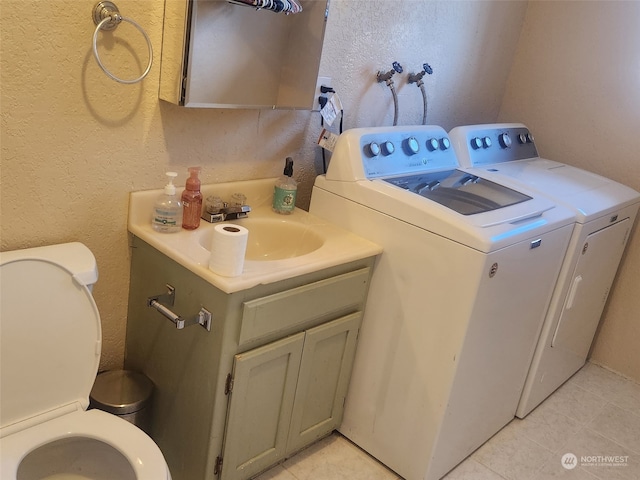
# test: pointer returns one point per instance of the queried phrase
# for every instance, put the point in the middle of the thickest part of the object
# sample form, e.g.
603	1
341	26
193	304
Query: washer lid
460	191
50	334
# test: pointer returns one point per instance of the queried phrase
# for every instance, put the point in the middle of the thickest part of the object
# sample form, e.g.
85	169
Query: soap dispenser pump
284	194
192	200
167	209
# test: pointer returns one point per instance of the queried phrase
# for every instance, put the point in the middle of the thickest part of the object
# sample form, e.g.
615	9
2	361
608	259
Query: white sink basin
273	239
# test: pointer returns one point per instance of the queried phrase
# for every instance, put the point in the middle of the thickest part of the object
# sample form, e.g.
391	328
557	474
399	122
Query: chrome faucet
218	211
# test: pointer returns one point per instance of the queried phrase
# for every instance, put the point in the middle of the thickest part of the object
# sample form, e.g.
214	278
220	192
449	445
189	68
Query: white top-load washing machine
457	298
604	213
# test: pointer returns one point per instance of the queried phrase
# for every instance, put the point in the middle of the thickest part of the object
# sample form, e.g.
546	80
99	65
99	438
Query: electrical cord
322	100
324	89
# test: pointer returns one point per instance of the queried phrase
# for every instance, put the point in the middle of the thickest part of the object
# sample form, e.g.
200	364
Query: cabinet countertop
339	246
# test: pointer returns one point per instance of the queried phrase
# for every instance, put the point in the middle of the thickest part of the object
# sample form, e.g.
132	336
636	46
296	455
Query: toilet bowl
50	343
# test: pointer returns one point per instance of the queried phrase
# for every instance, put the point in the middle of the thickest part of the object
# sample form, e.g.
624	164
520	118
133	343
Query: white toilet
49	354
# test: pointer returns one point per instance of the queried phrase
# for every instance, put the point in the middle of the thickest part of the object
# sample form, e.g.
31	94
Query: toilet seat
51	335
143	455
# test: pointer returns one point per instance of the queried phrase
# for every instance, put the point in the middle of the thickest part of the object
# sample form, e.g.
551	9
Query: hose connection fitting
417	77
386	76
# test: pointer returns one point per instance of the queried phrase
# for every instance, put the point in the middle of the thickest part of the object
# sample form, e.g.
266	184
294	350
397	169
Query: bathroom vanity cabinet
269	378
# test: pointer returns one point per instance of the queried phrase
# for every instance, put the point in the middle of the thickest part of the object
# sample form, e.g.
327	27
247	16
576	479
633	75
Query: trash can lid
121	391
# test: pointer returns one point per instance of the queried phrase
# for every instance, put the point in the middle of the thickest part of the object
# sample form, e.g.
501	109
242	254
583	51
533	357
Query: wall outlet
326	81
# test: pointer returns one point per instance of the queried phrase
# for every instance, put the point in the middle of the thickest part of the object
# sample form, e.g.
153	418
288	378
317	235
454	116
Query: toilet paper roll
228	246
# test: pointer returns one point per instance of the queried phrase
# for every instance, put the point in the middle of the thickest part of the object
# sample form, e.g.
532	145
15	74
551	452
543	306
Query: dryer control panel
478	145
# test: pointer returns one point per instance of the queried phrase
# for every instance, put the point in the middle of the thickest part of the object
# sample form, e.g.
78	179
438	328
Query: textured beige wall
75	143
576	83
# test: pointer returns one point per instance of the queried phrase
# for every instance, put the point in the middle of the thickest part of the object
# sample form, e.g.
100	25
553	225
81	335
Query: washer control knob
412	145
505	140
432	144
529	137
373	149
445	143
476	143
522	138
486	142
388	148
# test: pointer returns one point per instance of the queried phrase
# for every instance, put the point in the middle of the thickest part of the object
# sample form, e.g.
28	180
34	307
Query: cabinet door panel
325	370
259	411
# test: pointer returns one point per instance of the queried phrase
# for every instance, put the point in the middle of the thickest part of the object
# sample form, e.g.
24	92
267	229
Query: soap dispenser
167	209
192	200
284	194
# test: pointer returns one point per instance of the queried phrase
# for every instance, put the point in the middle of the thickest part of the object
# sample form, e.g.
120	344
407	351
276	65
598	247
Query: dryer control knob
486	142
412	145
505	140
445	143
529	137
388	148
522	138
373	149
432	144
476	143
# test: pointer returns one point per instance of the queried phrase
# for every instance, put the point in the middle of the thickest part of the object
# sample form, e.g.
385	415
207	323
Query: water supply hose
417	79
395	104
424	103
387	78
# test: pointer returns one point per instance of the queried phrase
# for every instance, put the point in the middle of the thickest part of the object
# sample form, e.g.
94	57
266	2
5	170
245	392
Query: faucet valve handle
214	204
238	199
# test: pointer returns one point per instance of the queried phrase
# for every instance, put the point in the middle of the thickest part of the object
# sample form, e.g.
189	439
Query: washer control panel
390	152
486	144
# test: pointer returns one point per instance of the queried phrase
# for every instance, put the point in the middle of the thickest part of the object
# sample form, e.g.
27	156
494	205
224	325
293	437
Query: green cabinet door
286	395
259	416
325	371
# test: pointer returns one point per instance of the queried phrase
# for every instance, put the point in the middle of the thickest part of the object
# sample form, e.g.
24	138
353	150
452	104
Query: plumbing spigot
386	76
417	77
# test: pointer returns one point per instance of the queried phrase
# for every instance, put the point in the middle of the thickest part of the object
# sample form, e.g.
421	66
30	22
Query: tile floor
595	414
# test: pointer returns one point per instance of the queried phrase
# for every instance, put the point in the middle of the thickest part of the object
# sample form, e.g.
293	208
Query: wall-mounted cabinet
217	54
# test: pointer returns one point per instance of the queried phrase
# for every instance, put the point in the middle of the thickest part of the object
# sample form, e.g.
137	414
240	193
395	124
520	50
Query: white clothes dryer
604	213
456	301
49	354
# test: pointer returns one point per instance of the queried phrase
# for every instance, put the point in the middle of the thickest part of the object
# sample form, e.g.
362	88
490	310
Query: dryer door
592	279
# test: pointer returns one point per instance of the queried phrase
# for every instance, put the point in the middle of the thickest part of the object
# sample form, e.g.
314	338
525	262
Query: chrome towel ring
107	17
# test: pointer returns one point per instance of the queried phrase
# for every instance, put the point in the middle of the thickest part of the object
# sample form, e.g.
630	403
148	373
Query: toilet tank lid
75	257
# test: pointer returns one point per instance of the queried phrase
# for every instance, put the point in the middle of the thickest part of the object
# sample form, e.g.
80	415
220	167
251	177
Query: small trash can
123	393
